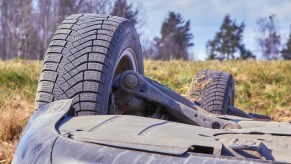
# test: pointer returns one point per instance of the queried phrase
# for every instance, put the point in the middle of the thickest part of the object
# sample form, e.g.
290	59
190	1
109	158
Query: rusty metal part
130	81
135	104
260	146
254	145
180	111
127	102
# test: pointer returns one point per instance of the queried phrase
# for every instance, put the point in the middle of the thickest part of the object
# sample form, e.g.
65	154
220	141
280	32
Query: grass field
261	87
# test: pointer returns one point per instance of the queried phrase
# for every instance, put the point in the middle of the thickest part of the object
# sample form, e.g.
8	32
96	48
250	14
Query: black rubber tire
82	58
213	91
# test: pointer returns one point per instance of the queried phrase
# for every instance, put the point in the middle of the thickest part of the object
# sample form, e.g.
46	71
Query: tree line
27	26
227	43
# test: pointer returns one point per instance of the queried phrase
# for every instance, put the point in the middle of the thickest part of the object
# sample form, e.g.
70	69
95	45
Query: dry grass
18	81
14	114
281	115
261	87
7	150
12	122
195	85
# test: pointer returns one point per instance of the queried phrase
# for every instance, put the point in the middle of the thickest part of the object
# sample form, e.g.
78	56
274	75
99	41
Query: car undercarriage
95	105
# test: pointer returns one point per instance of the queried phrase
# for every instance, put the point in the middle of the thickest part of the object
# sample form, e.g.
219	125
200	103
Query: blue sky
206	17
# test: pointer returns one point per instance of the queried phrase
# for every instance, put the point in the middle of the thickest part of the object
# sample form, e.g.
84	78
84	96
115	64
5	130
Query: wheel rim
127	61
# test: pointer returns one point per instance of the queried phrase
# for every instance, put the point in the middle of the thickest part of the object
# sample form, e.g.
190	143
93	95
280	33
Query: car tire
213	91
85	53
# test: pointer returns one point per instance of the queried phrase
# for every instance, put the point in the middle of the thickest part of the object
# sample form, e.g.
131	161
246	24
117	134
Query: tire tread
77	60
213	97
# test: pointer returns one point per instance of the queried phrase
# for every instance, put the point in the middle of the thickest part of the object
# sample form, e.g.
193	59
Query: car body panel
53	137
38	137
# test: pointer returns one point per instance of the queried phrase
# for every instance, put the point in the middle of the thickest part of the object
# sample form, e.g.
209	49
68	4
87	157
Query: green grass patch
18	77
261	86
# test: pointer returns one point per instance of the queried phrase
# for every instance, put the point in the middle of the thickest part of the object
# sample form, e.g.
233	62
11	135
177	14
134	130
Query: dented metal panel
169	137
52	137
71	151
140	133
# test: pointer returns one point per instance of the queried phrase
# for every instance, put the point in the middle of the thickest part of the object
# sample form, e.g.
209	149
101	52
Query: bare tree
97	6
27	26
16	26
4	29
45	27
24	29
269	39
64	8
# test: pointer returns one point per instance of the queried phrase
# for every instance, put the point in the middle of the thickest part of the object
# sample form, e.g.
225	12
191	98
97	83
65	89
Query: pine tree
245	53
123	9
175	38
286	52
227	42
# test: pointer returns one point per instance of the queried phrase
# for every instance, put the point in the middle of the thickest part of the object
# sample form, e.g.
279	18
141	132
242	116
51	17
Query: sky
206	16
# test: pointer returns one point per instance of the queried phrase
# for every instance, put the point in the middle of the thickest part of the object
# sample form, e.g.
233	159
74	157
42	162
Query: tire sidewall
230	95
124	38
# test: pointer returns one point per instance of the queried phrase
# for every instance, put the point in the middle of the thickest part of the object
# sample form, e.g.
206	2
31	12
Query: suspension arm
139	86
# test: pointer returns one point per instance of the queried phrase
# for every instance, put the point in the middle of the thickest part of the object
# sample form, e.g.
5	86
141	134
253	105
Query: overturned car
94	105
